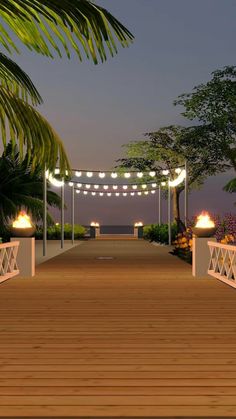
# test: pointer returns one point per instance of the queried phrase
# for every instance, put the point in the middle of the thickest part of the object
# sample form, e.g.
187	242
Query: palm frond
48	25
16	80
230	186
22	122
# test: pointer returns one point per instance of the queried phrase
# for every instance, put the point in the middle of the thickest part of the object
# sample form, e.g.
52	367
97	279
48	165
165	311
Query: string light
57	171
178	180
114	187
152	174
132	194
89	174
79	185
55	182
96	186
146	193
114	175
102	175
144	186
139	193
178	170
124	194
154	185
163	183
140	174
165	172
125	187
70	184
101	193
109	194
78	174
87	186
77	191
134	186
127	175
105	187
85	193
117	194
94	193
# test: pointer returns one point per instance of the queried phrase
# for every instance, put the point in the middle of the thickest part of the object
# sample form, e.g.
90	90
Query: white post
73	213
26	256
159	205
62	215
169	213
201	256
44	213
186	195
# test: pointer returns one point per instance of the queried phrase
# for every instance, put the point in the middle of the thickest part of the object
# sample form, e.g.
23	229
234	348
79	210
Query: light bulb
70	183
87	186
152	174
78	174
79	185
109	194
66	172
125	187
154	185
85	193
146	193
134	186
105	187
89	174
163	183
139	174
127	175
139	193
96	186
117	193
153	192
77	191
102	175
57	171
132	194
114	175
93	193
101	193
144	186
114	187
165	172
178	170
124	194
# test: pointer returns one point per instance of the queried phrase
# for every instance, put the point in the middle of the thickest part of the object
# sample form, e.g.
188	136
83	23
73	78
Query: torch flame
204	221
22	221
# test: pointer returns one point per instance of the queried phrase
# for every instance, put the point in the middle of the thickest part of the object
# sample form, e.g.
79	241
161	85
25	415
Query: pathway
133	336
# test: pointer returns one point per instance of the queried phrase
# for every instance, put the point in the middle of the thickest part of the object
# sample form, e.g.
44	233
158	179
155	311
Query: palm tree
21	187
47	27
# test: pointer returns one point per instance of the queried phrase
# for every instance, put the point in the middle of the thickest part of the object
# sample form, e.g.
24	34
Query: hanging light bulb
79	185
114	175
96	186
85	193
102	175
66	172
93	193
124	194
152	173
109	194
70	183
114	187
132	193
117	193
139	174
78	174
163	183
55	182
101	193
77	191
127	175
89	174
178	170
105	187
134	186
87	186
154	185
57	171
153	192
165	172
146	193
144	186
125	187
139	193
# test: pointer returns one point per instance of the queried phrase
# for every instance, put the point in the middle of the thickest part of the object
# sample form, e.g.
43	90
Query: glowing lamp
154	185
78	192
89	174
105	187
140	174
79	185
78	174
165	172
94	224
71	184
205	227
102	175
152	174
138	224
115	187
22	226
88	186
127	175
134	186
114	175
96	186
125	187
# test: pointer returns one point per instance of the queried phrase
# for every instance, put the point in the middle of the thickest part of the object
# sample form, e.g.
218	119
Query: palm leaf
230	186
21	121
16	80
48	25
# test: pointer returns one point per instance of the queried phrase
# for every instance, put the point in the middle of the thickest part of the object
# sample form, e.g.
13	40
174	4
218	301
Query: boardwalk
133	336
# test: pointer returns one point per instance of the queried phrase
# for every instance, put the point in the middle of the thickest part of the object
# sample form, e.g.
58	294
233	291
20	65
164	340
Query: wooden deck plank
132	336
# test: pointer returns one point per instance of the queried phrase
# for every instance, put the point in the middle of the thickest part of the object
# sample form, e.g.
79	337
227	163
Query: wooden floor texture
132	336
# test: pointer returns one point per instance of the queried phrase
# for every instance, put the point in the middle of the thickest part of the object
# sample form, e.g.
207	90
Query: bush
159	233
54	232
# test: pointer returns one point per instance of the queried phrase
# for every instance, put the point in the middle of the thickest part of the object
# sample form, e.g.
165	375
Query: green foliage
21	188
159	233
45	26
54	232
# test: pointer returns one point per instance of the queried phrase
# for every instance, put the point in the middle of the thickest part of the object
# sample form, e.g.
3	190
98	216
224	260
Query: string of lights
112	186
114	194
114	175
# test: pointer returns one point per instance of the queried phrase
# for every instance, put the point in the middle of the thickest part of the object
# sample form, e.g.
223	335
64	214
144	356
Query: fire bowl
23	232
204	232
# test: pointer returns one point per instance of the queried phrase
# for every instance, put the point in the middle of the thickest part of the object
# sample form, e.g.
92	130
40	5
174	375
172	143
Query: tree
21	187
168	148
47	27
213	105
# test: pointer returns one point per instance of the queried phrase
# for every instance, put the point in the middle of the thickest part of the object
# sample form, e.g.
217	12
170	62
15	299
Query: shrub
54	232
159	233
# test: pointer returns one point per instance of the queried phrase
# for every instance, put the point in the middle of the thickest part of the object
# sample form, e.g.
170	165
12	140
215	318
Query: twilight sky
96	109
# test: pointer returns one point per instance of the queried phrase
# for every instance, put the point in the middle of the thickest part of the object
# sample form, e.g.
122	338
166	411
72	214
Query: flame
204	221
22	221
94	224
138	224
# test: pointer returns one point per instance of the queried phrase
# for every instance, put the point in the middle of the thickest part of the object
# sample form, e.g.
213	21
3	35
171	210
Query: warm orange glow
138	224
22	221
204	221
94	224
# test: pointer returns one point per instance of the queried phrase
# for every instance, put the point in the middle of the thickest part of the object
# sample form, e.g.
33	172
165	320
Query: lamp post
169	212
73	213
186	195
159	205
62	214
44	212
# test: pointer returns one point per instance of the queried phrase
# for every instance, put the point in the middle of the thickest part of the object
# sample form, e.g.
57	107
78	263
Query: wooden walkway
133	336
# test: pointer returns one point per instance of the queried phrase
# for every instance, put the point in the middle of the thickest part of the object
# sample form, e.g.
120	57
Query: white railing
8	264
223	262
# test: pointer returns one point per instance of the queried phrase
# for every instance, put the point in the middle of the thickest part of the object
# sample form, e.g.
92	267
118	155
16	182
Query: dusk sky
96	109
